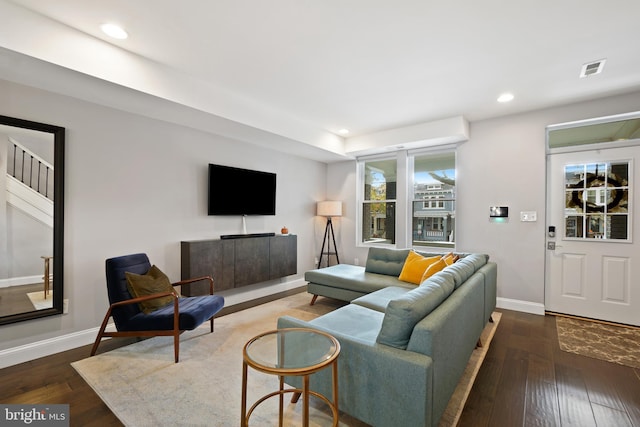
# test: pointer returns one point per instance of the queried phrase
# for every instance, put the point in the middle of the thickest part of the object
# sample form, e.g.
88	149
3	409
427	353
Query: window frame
404	201
361	200
443	197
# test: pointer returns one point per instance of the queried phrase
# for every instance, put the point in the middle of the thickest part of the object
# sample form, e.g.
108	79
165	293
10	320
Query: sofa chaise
404	347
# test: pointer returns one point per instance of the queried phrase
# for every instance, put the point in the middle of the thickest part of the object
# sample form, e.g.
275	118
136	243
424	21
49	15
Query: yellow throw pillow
415	266
433	269
450	258
154	282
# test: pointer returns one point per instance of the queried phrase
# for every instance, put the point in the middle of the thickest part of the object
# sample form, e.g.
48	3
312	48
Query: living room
136	181
168	163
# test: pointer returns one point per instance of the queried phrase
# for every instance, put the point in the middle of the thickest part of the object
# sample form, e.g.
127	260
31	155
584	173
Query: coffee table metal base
304	392
305	404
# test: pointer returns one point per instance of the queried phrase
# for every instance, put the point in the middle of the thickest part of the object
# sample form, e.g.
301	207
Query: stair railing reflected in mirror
31	219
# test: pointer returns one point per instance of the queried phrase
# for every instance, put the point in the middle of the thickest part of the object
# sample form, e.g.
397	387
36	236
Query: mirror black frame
58	218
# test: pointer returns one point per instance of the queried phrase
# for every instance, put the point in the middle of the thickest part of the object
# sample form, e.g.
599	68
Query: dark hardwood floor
525	380
14	299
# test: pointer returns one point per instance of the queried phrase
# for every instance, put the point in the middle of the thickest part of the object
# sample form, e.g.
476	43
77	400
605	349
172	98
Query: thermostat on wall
499	212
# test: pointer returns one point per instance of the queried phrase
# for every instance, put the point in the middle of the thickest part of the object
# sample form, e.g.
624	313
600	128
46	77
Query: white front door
593	261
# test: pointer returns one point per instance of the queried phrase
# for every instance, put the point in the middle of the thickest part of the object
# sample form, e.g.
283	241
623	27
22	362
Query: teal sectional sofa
404	347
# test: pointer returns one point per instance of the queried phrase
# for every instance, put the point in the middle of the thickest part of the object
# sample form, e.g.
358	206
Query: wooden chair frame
175	332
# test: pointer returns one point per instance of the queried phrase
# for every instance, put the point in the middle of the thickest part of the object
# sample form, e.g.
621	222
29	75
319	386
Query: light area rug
39	301
143	387
616	344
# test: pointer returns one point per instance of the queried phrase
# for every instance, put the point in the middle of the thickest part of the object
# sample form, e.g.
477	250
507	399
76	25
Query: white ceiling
315	67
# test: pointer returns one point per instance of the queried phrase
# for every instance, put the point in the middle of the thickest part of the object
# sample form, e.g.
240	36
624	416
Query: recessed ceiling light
343	131
505	97
115	31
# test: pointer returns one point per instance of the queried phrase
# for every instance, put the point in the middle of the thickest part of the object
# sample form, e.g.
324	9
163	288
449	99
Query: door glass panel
605	130
573	226
597	201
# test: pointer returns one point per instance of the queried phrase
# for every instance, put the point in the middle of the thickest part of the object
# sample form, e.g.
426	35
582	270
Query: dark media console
237	261
245	236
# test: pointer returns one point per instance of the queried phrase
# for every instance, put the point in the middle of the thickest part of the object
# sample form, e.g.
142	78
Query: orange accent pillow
414	267
433	269
450	258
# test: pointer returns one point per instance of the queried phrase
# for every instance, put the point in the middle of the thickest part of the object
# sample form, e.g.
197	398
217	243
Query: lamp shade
329	208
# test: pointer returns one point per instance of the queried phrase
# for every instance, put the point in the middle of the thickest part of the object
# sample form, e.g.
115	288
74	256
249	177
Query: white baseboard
18	281
519	305
24	353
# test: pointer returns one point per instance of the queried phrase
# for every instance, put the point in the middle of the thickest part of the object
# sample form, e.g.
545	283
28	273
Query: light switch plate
530	216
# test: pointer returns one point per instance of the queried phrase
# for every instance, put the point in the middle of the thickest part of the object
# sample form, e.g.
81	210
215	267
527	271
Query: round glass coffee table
291	352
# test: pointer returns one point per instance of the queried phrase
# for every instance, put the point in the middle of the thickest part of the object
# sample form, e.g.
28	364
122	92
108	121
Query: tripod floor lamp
329	208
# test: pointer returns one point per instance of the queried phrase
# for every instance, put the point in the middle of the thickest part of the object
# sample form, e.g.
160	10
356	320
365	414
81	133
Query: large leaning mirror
31	219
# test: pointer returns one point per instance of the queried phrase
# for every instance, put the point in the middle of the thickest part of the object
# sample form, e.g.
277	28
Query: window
379	201
597	201
434	196
424	215
433	202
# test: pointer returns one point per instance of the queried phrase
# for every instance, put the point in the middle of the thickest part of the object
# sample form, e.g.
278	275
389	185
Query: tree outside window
379	204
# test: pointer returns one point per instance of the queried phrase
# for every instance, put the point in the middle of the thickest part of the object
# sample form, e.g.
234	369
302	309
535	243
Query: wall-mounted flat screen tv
236	191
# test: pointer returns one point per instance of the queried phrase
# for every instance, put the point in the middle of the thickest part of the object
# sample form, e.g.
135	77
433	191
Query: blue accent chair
184	313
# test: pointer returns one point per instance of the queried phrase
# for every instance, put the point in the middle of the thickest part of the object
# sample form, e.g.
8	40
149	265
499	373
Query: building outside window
434	197
433	201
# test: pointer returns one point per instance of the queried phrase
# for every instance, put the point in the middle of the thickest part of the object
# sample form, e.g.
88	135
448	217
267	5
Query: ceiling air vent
591	68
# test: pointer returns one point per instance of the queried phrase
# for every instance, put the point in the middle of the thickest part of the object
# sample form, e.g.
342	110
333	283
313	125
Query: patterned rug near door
617	344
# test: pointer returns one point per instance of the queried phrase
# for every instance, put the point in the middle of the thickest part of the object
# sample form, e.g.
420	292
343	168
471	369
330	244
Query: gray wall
135	184
502	164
